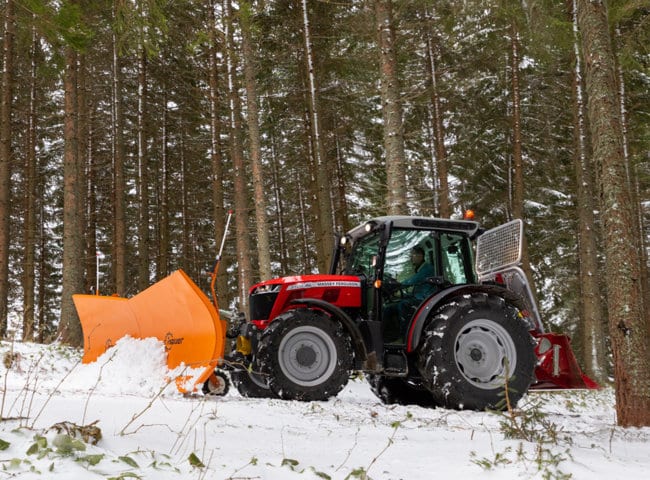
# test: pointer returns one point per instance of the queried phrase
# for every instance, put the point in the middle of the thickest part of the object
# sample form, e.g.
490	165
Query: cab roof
468	227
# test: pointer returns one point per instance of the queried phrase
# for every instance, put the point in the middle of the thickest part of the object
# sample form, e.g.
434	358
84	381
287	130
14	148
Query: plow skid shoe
557	366
173	310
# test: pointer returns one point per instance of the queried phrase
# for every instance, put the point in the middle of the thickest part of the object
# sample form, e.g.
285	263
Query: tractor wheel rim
485	354
216	387
307	356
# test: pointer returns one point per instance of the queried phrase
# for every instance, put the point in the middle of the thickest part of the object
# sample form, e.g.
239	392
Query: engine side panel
269	299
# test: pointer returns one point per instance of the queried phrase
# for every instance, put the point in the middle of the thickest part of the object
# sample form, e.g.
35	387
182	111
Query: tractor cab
403	261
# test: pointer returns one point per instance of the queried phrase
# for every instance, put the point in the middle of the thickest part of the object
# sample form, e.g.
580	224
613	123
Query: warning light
468	215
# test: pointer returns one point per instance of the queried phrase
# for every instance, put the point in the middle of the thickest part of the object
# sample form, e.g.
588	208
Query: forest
129	129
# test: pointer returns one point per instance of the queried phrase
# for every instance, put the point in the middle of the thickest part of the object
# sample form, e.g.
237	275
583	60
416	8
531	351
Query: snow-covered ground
150	431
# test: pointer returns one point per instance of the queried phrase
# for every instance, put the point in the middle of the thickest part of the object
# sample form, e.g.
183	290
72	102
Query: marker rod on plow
215	269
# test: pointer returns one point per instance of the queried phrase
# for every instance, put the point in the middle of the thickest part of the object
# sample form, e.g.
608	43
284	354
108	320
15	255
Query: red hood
310	281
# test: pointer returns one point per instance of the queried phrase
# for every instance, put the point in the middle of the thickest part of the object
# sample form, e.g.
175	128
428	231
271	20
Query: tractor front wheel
306	355
477	354
400	391
251	384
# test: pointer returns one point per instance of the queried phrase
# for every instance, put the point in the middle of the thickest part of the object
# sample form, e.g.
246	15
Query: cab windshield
448	255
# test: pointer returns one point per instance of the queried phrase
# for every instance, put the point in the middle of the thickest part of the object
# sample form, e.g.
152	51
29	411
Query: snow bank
131	367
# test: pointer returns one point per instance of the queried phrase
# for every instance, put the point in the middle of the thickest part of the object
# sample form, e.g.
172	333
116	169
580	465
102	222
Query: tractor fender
428	306
349	325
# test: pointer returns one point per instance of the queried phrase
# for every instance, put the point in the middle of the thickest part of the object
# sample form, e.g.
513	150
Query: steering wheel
392	287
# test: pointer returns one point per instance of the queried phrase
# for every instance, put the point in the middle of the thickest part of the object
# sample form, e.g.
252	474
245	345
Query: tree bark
261	222
5	159
143	175
85	197
628	317
241	189
119	178
392	110
517	187
342	203
594	357
517	156
441	172
325	236
186	247
162	264
218	210
69	330
633	185
29	231
279	205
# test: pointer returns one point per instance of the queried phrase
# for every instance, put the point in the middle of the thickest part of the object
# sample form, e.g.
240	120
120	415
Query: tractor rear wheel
306	355
477	354
400	391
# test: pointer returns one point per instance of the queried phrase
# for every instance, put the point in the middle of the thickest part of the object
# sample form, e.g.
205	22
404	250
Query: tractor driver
401	312
423	270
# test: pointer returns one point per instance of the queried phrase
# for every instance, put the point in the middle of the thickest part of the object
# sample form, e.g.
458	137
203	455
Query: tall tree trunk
218	210
92	253
143	175
594	358
342	204
392	110
29	231
628	316
241	190
69	330
186	247
5	159
162	265
517	156
633	185
279	208
325	236
85	197
261	222
305	250
441	178
517	187
119	178
43	328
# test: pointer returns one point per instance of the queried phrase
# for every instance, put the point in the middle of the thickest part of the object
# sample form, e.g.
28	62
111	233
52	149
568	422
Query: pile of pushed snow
132	366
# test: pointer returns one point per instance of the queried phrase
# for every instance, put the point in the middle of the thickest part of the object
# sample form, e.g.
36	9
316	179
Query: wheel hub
476	354
307	356
485	353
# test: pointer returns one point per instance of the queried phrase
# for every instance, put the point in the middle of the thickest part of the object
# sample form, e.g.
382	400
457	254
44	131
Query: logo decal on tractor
170	341
334	283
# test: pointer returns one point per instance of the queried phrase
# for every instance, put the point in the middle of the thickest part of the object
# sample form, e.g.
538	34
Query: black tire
469	348
306	355
400	391
217	385
251	385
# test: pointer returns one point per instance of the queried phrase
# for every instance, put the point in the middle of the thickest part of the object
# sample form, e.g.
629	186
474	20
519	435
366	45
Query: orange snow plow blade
173	310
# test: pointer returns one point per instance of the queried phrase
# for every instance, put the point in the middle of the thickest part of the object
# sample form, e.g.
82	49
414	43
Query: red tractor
406	304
